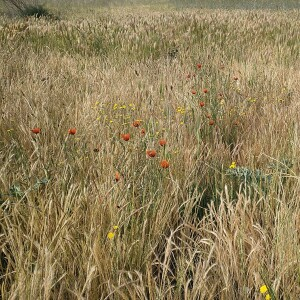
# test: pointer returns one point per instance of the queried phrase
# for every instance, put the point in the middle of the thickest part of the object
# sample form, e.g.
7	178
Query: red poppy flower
205	91
164	164
162	142
72	131
36	130
143	131
117	176
201	103
136	123
194	92
199	66
151	153
211	122
125	137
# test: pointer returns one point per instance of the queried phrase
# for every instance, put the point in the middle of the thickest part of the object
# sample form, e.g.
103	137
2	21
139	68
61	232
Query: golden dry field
150	154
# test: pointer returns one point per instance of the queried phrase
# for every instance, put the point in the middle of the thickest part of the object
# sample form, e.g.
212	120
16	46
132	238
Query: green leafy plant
249	176
15	191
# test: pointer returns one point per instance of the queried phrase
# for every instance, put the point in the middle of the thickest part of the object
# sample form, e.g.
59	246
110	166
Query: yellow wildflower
263	289
110	235
268	297
115	106
233	165
115	227
180	110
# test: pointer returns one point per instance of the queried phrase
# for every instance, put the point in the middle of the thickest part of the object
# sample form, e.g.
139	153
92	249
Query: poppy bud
36	130
117	176
164	164
125	137
72	131
151	153
162	142
136	123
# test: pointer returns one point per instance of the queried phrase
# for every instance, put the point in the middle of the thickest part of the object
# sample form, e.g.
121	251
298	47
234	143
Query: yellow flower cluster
264	289
108	112
112	234
180	110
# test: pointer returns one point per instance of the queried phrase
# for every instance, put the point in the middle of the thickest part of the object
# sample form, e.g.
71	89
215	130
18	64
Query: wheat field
150	154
